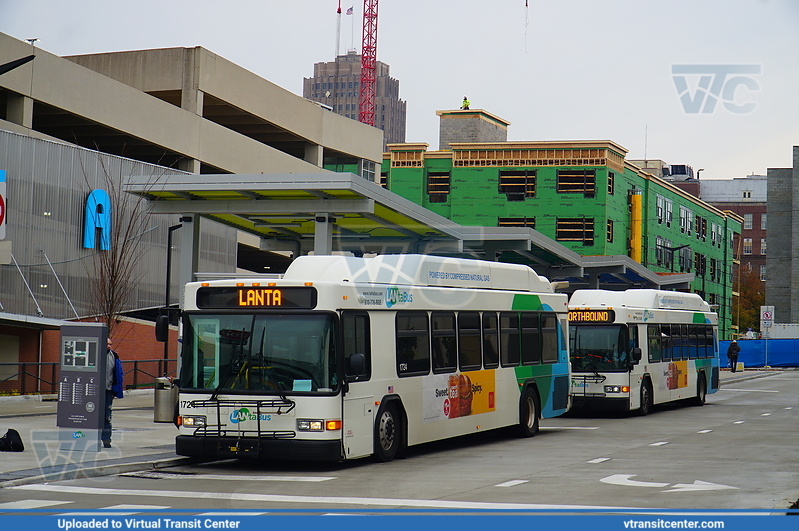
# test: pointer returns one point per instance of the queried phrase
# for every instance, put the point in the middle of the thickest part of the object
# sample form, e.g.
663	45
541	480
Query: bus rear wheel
701	391
387	433
529	412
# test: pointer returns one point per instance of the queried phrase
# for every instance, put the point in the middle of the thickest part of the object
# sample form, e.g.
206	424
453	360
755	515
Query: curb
104	470
746	377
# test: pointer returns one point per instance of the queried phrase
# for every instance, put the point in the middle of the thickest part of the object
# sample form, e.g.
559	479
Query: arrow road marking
698	485
624	480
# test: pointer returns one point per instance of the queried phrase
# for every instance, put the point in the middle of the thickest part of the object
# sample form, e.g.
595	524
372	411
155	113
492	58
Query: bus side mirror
636	355
357	366
162	328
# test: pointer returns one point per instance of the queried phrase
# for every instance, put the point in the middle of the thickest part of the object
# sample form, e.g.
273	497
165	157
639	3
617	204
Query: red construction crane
366	102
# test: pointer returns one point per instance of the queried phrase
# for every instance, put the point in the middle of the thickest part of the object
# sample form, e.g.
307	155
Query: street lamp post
172	229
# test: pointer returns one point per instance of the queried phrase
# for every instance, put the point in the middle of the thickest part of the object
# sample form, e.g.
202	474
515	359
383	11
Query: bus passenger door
358	424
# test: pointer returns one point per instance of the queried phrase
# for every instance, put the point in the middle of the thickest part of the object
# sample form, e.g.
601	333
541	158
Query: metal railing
42	378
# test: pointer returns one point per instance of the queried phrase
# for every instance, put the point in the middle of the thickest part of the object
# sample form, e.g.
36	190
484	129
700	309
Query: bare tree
115	268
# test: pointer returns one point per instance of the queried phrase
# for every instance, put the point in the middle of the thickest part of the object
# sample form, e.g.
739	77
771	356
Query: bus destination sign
592	316
256	297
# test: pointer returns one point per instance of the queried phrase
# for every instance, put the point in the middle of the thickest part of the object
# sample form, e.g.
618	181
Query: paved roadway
737	452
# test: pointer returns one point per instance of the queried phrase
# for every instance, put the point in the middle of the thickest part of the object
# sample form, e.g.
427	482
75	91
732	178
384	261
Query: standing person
113	389
465	104
732	354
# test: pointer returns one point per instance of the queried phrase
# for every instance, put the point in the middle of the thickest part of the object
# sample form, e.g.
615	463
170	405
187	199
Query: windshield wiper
236	361
271	379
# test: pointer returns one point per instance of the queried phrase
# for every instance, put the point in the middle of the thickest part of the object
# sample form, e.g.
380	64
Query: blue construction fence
754	352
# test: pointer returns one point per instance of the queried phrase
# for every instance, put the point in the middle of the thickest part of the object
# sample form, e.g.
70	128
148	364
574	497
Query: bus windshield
269	353
599	348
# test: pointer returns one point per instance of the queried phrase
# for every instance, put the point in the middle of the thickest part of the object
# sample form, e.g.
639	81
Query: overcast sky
557	70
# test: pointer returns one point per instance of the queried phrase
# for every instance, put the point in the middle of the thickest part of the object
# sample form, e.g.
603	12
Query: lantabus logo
240	415
395	296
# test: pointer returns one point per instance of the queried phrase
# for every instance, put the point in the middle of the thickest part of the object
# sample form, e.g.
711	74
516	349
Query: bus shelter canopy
327	212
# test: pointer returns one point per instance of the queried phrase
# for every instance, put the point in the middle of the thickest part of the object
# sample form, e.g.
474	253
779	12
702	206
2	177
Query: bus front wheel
646	399
387	433
529	412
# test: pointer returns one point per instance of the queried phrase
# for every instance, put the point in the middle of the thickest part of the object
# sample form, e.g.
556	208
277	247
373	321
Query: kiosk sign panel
81	391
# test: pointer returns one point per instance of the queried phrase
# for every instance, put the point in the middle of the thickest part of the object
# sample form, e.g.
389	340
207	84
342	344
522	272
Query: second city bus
346	357
636	348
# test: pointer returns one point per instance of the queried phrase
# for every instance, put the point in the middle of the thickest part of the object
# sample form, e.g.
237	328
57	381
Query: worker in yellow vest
465	104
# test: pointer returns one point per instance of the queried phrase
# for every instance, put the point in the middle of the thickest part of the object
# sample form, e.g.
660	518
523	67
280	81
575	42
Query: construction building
337	85
584	195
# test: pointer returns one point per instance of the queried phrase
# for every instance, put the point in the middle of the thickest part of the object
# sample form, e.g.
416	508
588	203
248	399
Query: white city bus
346	357
632	349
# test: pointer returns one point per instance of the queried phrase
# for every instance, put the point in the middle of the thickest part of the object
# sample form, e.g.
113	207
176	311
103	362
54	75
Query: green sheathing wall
475	200
716	291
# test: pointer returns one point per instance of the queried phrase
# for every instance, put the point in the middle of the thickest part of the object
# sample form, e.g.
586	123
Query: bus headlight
318	425
617	389
192	421
310	425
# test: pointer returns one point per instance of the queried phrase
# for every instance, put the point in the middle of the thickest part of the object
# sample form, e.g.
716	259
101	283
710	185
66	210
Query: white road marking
625	481
31	504
750	390
704	431
698	485
121	510
765	415
659	443
230	514
225	477
739	422
599	460
323	500
789	408
569	428
512	483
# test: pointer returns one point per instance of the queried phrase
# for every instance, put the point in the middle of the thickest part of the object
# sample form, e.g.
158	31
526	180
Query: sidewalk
138	442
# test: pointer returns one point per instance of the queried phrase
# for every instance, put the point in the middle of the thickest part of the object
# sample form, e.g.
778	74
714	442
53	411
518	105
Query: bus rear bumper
232	447
591	403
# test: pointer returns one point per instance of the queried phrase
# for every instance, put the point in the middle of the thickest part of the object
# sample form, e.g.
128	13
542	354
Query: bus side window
355	340
490	341
509	339
469	354
684	340
413	343
445	354
549	337
710	342
693	342
654	343
531	339
632	343
665	342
